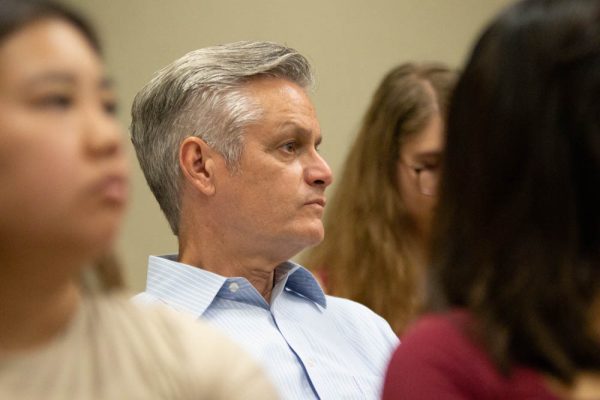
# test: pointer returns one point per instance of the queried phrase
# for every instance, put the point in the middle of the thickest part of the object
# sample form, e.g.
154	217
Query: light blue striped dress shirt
311	345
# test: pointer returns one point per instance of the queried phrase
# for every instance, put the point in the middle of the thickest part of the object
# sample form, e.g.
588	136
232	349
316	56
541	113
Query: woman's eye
418	168
429	165
55	101
432	166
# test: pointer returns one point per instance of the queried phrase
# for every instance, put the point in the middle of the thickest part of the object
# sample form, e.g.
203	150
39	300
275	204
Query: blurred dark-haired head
517	237
16	14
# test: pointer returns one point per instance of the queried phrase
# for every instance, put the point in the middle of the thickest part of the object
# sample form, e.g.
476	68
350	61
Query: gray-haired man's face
275	202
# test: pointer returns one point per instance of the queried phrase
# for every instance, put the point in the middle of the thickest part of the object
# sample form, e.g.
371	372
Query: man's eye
290	147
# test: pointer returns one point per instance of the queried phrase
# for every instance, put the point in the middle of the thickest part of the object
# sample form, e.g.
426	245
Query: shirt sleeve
432	363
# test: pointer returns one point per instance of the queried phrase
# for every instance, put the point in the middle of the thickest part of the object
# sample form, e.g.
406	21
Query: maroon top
438	360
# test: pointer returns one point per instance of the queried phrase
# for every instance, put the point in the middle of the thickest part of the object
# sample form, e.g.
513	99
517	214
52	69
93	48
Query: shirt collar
300	280
191	289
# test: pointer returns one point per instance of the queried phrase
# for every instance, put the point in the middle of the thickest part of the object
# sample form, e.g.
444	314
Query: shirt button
310	363
233	287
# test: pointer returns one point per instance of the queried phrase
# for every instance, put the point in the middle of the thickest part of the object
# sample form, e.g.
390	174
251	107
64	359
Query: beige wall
350	43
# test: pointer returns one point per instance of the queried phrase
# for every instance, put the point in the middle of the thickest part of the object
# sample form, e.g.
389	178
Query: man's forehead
284	106
270	89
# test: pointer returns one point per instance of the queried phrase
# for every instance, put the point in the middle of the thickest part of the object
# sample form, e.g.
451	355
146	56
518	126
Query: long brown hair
370	252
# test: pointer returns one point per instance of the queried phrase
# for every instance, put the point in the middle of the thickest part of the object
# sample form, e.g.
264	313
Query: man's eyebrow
299	130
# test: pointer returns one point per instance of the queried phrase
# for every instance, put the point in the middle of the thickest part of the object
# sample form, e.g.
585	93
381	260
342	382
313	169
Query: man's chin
314	238
302	242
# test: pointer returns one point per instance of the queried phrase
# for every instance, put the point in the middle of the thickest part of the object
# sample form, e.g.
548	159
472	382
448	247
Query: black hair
517	231
16	14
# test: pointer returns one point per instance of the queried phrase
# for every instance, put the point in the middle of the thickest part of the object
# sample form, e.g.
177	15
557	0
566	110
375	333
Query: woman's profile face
418	171
63	170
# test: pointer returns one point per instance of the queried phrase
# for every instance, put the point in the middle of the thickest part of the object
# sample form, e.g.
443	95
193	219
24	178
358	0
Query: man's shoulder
358	316
145	299
350	306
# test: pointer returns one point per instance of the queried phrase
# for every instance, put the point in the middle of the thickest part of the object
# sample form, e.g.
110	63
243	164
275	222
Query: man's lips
318	201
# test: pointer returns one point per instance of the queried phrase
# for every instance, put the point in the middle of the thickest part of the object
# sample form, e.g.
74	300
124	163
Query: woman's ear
196	160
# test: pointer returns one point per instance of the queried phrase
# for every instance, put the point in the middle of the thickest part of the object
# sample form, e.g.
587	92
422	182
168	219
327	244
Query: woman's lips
114	189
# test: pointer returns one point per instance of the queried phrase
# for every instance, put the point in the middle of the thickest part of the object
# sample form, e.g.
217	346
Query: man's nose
318	172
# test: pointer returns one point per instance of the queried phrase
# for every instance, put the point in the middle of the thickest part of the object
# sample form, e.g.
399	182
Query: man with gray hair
227	139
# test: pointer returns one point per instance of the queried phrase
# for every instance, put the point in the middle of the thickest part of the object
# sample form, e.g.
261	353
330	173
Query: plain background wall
350	43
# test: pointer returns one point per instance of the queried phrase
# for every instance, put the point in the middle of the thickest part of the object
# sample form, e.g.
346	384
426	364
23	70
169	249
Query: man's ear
196	160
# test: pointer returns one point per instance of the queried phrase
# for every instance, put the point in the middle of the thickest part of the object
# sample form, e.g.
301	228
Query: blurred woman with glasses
377	226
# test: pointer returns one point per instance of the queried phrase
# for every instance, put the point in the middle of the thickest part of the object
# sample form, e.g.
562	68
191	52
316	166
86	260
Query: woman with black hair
516	253
64	181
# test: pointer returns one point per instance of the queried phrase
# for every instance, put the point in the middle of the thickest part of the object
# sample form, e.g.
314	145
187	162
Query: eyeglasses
427	178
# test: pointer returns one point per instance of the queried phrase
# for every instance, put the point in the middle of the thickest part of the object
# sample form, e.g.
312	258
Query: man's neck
204	243
257	269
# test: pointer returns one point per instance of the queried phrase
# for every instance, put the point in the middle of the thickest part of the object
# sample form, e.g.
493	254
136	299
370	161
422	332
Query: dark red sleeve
437	361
